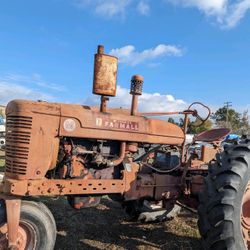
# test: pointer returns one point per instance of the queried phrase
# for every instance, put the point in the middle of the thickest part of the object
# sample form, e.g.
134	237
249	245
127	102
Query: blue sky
187	50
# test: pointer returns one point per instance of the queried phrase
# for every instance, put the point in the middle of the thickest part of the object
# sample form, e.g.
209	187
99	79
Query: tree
181	122
197	127
171	120
2	113
229	118
245	127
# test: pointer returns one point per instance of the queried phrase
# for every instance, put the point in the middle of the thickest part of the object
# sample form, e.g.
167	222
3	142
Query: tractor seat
216	134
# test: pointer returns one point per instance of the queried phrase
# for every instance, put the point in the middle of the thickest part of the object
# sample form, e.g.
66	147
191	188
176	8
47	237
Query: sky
186	50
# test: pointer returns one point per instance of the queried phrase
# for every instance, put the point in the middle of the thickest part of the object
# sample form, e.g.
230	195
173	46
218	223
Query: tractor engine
86	159
103	159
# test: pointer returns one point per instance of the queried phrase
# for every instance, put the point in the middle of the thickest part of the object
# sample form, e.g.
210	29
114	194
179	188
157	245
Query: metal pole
227	105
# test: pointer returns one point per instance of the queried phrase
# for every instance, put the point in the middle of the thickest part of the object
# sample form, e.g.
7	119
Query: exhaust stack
105	75
135	91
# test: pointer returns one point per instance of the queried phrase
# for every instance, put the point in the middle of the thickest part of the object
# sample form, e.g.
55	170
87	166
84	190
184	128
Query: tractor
84	152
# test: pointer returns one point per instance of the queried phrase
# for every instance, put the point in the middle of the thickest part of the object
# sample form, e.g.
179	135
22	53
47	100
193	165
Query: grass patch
2	164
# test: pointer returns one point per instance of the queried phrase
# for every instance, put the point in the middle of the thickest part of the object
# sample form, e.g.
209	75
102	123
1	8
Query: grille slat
13	122
17	148
18	134
19	126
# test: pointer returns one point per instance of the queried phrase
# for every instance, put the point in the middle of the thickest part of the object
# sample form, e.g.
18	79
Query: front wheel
224	211
37	228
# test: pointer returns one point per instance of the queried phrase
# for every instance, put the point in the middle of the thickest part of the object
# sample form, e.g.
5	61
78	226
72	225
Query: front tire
224	211
37	228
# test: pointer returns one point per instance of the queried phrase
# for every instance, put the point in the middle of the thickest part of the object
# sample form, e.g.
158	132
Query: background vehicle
2	127
85	152
2	142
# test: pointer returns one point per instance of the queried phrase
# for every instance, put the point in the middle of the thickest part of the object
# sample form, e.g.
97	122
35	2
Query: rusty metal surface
197	164
47	121
32	128
103	105
187	112
135	91
142	186
105	74
183	150
13	207
168	185
134	105
208	153
196	184
212	135
119	160
47	187
136	85
114	126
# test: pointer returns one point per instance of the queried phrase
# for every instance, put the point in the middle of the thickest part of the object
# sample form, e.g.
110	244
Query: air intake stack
135	91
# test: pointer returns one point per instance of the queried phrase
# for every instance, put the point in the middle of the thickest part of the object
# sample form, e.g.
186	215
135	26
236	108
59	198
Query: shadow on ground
105	227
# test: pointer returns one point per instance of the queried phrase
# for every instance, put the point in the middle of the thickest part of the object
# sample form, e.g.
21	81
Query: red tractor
84	152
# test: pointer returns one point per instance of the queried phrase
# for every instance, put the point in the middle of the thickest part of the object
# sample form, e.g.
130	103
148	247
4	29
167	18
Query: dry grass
2	161
105	227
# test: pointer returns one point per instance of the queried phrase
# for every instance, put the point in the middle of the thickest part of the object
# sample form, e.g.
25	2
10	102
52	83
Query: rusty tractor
84	152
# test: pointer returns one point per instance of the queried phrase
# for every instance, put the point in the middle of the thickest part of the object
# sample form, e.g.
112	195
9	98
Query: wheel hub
26	238
245	216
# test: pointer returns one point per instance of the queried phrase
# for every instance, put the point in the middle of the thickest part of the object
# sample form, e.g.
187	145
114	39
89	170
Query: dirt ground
106	227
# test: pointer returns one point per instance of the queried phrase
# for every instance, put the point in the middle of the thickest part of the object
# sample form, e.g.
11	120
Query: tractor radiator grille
18	133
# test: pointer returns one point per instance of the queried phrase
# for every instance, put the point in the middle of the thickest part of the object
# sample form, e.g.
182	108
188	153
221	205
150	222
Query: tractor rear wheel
37	228
224	210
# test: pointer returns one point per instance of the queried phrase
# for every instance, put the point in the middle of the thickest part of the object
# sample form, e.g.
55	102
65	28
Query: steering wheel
195	112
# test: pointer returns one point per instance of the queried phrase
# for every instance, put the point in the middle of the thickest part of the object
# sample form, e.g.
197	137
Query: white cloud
148	102
114	8
211	7
130	56
236	12
34	79
143	8
32	87
10	91
226	12
105	8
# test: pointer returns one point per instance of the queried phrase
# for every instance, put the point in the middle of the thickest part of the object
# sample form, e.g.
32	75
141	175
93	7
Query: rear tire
220	209
38	224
